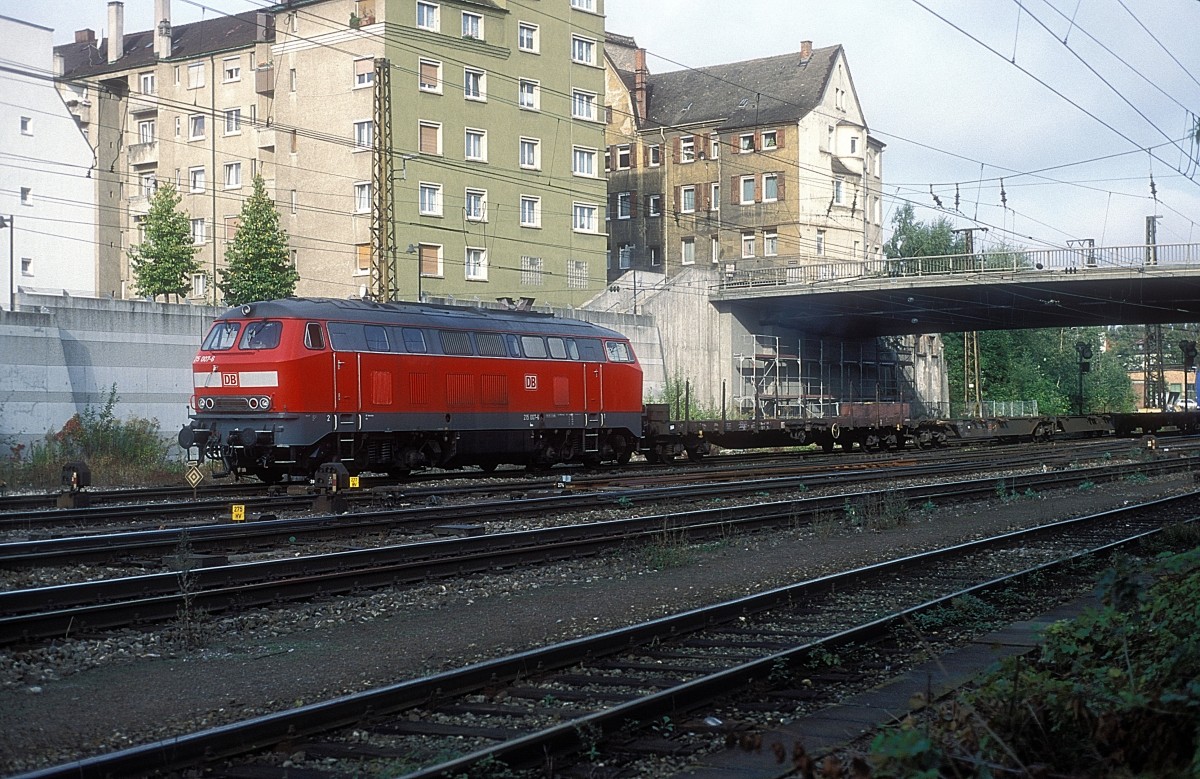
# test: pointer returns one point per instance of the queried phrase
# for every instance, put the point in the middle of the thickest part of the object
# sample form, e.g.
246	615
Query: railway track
608	699
82	608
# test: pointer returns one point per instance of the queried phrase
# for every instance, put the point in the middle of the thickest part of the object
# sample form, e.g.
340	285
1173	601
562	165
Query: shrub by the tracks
118	452
1111	693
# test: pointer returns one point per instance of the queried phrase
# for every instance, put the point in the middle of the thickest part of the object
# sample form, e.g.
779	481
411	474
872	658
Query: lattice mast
1154	380
384	285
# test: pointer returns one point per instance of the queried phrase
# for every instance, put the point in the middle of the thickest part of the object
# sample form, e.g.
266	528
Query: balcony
141	103
264	80
143	154
266	138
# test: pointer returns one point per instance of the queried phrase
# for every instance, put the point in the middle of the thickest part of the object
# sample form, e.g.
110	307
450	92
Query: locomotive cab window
261	335
414	340
533	346
376	337
222	336
618	351
589	350
314	337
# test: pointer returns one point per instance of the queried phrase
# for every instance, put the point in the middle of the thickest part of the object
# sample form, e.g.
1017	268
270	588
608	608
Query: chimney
639	83
116	30
162	29
805	51
85	36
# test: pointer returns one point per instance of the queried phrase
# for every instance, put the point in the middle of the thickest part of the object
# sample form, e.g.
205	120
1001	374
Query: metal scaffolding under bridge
1086	286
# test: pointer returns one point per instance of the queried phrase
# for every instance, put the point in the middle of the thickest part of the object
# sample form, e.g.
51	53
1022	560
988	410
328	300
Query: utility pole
1154	381
384	285
1152	240
968	234
972	392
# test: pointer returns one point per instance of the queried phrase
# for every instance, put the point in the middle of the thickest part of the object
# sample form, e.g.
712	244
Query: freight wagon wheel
623	457
268	475
487	467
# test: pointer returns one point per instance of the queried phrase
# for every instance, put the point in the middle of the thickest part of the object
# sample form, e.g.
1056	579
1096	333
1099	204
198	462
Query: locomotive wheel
487	467
623	457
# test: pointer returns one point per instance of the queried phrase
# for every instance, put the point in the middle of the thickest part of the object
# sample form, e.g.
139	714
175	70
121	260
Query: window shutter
702	146
633	204
779	138
735	190
779	186
428	255
363	67
758	189
645	155
676	204
701	199
675	154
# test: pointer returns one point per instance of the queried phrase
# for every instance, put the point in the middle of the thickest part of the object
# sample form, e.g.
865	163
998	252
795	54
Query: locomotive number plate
530	381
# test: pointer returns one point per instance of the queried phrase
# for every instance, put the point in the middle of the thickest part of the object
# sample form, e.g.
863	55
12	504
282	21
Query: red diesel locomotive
284	386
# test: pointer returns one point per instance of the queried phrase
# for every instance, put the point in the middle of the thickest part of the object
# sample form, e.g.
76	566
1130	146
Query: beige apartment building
494	111
766	162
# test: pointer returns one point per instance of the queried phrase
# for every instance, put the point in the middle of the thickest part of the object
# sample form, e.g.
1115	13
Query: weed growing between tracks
192	626
1111	693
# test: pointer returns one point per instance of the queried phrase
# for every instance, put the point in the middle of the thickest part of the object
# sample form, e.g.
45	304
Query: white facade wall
44	183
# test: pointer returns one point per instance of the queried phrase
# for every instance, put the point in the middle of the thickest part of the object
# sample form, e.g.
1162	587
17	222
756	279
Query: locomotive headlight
264	403
252	402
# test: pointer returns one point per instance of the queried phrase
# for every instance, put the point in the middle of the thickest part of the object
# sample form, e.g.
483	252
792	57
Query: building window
364	72
531	271
430	78
770	140
584	217
583	50
475	145
654	155
199	285
146	131
197	232
146	83
195	127
429	257
687	149
474	84
231	69
196	179
430	138
654	205
747	245
820	243
624	205
770	187
292	79
583	105
528	94
577	273
531	211
195	75
364	135
428	16
293	203
584	5
687	251
583	162
362	197
476	265
430	199
233	175
472	26
26	196
746	143
770	243
531	153
624	156
747	190
475	205
655	256
363	252
149	185
233	121
839	191
715	249
687	199
714	147
527	37
714	197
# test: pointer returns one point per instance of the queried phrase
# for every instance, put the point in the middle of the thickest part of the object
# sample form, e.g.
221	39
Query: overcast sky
1075	104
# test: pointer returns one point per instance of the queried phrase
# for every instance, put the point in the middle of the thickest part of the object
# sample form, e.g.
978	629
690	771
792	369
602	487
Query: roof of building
769	90
224	33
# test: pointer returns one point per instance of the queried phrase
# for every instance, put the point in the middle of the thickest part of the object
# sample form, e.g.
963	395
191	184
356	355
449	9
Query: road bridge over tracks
1141	284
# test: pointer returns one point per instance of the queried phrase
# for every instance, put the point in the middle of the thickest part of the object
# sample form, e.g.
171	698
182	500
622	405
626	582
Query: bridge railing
1073	260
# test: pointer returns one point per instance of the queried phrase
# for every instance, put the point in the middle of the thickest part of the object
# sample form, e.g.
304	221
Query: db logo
530	381
229	379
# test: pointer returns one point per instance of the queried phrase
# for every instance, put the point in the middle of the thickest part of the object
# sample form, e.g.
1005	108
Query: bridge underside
910	306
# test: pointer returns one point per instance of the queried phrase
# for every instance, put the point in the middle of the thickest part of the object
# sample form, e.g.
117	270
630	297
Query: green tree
164	262
258	264
912	238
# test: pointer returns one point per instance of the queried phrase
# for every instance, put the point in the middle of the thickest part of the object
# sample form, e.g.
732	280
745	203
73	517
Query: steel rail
267	730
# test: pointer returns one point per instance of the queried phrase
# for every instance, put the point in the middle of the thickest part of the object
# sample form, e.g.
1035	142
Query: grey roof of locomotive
409	314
